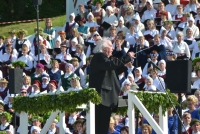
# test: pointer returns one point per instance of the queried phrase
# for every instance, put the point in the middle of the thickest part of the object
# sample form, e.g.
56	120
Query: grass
57	21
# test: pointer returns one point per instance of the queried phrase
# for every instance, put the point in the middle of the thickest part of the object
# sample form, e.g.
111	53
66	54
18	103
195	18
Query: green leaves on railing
152	101
62	102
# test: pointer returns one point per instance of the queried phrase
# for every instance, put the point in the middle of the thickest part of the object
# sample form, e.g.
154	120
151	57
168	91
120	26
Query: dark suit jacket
103	77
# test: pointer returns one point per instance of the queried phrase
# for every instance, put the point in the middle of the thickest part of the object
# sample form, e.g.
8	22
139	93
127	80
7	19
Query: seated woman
26	84
151	32
36	87
72	49
165	40
8	57
192	6
75	34
27	59
83	29
55	73
139	80
52	86
5	119
63	56
190	40
78	71
156	82
45	82
44	58
64	82
162	66
75	84
4	91
128	17
180	47
80	55
91	23
121	26
69	25
168	26
149	84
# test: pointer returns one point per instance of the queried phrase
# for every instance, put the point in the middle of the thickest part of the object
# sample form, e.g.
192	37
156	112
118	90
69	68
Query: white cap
136	16
45	76
122	19
109	8
130	75
150	2
126	82
162	61
115	23
95	33
139	69
191	18
74	40
35	128
90	14
73	15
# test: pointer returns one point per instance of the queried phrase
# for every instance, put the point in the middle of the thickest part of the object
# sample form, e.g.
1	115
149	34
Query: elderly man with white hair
180	47
191	25
103	77
111	19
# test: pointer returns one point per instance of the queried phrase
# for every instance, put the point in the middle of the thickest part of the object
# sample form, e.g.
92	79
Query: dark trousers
102	119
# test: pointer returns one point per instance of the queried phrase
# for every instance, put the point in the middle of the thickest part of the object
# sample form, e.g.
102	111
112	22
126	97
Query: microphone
150	61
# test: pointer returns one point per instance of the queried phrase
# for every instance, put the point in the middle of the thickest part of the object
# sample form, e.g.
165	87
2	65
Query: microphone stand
172	104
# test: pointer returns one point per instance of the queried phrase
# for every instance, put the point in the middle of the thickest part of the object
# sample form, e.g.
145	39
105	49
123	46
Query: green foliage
197	59
100	1
7	115
3	132
12	10
152	101
19	64
49	103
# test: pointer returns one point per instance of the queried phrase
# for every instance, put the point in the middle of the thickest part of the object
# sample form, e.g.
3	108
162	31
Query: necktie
10	57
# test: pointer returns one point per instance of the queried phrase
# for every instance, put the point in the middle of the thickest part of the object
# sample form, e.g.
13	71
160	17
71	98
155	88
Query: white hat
72	14
130	75
45	76
109	8
139	69
35	128
150	2
122	19
74	40
127	82
191	18
149	78
136	16
95	33
115	23
90	14
162	61
152	88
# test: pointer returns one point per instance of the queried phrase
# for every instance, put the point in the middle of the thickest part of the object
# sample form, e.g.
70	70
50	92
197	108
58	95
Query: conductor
103	77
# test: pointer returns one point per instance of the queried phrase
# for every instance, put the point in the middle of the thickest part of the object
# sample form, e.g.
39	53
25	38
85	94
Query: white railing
161	128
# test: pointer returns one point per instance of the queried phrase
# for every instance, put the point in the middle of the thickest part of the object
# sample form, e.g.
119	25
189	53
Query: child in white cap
121	26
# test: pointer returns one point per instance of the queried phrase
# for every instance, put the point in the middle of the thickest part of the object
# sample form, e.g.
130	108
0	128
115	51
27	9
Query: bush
12	10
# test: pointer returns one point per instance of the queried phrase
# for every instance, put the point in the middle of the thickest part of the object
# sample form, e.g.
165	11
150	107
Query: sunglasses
23	92
96	35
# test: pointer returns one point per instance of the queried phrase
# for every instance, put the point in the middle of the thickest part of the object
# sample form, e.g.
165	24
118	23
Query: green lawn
57	21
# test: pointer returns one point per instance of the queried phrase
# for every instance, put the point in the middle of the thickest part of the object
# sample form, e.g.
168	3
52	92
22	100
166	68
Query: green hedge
11	10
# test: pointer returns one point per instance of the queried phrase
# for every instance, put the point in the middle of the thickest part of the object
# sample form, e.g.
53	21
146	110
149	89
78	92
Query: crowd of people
162	31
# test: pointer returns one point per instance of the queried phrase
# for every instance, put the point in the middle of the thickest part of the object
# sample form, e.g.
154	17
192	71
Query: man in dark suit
103	77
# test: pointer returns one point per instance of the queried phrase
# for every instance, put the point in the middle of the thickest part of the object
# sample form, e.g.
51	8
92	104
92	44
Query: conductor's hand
131	54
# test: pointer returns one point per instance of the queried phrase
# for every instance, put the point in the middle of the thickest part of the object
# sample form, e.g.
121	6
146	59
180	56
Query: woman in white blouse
129	14
192	6
80	53
180	47
171	7
91	22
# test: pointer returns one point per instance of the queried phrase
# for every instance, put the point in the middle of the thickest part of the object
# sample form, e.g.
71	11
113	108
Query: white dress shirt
182	47
28	60
151	32
171	8
158	85
63	57
130	38
10	128
166	42
5	57
189	8
112	20
45	57
196	84
149	14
